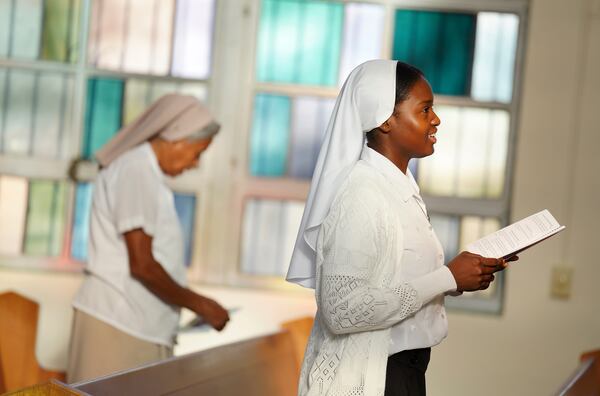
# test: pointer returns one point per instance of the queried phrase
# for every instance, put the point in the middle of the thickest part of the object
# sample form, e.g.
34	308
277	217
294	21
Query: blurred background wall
520	339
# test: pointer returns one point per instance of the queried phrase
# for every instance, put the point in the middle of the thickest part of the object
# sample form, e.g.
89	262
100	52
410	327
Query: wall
535	344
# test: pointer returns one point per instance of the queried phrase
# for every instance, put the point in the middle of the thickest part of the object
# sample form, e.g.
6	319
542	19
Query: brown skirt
97	349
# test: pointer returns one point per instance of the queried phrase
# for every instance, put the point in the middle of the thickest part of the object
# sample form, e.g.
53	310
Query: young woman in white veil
366	245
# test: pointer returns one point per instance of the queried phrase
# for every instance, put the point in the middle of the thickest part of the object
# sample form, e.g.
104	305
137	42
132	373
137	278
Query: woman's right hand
474	272
213	313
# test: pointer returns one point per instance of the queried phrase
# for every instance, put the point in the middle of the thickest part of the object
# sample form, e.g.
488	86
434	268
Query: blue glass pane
447	230
440	44
309	121
81	221
270	135
495	51
185	205
103	113
299	41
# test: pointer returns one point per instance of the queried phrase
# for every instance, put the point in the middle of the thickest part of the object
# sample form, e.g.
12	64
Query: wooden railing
585	380
260	366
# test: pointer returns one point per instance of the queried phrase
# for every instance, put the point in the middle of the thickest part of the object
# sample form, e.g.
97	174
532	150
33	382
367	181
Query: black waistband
417	358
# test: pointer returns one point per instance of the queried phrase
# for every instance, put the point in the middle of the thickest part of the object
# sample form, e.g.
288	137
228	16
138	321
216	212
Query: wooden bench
18	331
268	365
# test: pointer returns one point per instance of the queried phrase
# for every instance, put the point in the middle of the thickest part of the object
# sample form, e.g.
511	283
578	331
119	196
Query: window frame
31	168
248	186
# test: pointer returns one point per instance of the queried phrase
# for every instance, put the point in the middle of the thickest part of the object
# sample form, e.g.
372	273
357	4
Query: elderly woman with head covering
366	244
127	309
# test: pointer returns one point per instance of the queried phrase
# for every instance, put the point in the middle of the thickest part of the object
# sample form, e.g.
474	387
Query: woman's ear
385	127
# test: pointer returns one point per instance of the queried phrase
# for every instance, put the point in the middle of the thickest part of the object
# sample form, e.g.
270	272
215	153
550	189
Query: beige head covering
172	117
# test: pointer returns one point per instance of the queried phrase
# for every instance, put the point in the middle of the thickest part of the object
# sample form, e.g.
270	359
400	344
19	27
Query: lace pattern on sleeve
353	305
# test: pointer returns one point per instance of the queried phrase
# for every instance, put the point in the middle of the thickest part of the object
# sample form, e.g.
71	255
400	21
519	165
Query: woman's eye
426	109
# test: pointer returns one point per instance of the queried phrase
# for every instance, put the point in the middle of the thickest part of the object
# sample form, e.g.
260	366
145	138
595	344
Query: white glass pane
437	173
363	32
52	115
260	251
27	29
5	26
193	38
494	61
198	90
310	117
472	229
13	209
473	152
19	111
497	157
470	154
148	36
139	94
269	232
292	212
106	47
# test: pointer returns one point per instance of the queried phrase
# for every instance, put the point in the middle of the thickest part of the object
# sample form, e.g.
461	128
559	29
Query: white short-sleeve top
131	193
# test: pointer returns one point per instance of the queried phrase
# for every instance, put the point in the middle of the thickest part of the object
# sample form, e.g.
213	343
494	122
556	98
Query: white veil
365	101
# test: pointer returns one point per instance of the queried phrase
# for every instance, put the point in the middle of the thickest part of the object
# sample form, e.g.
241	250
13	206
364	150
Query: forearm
154	277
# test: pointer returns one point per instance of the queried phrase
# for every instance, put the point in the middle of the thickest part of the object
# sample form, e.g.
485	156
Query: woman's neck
400	161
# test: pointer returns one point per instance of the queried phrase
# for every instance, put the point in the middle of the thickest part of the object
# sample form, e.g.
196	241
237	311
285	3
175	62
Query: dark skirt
405	373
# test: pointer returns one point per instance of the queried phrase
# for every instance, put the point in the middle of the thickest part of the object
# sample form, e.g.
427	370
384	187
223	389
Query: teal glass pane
185	205
103	113
45	218
81	221
495	52
61	30
270	135
299	42
440	44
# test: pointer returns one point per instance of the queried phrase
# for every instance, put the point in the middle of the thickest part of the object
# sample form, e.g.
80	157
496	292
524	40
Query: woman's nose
435	120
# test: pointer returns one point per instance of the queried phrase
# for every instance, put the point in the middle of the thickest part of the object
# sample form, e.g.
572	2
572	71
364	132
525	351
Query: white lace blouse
380	282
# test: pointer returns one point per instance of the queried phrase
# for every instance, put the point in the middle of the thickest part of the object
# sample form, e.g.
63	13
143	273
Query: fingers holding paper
473	272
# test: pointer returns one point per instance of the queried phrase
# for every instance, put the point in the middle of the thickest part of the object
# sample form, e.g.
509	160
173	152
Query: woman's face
182	155
413	124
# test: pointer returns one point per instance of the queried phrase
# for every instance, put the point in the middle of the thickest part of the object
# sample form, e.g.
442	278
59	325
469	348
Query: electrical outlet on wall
560	286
